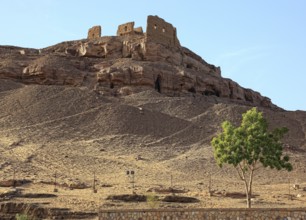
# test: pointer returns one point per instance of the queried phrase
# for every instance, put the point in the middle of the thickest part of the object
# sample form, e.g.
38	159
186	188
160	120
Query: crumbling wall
128	29
138	30
125	29
160	31
94	32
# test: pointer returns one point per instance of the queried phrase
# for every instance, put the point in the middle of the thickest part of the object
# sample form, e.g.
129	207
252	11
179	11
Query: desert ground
77	135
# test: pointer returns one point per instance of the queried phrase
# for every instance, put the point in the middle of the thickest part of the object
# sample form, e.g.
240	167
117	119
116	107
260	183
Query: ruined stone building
158	31
128	29
94	32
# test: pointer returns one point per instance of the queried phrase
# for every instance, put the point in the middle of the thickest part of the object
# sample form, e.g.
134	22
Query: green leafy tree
249	147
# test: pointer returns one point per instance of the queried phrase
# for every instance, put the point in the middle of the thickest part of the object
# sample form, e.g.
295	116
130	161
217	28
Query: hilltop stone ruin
128	63
158	31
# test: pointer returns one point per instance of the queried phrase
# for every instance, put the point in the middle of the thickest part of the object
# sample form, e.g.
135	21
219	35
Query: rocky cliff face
124	65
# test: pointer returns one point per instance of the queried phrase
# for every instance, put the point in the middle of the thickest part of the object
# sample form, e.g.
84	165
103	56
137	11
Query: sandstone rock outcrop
52	70
126	64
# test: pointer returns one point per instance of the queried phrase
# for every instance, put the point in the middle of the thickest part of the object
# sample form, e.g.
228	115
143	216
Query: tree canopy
249	146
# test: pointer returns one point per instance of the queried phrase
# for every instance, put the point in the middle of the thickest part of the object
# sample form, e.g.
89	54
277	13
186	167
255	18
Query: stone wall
160	31
125	29
138	30
94	32
206	214
128	29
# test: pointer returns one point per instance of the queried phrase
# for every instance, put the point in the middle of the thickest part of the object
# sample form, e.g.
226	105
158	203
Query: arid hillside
75	132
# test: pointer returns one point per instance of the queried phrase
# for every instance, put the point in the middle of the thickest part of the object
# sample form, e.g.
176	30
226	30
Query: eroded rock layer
123	65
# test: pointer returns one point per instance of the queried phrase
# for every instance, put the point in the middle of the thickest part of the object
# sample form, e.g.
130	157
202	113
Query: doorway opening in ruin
189	66
158	83
111	85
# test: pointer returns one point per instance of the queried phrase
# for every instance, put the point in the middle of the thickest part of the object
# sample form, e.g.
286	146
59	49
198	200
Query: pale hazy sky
259	44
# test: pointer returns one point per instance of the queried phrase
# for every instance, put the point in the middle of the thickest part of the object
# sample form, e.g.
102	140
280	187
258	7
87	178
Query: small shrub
22	217
152	200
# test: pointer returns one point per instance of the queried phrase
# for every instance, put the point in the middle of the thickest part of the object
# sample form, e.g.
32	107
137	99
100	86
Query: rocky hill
124	65
132	101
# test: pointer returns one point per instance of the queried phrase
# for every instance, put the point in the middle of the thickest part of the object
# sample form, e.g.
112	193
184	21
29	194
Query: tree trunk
247	183
248	194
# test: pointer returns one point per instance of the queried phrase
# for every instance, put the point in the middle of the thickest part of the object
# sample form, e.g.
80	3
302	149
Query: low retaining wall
205	214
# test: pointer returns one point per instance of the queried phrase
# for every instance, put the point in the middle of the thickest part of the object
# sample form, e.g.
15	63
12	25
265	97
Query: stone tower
160	31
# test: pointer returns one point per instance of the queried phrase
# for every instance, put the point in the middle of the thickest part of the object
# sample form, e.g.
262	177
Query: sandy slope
75	133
